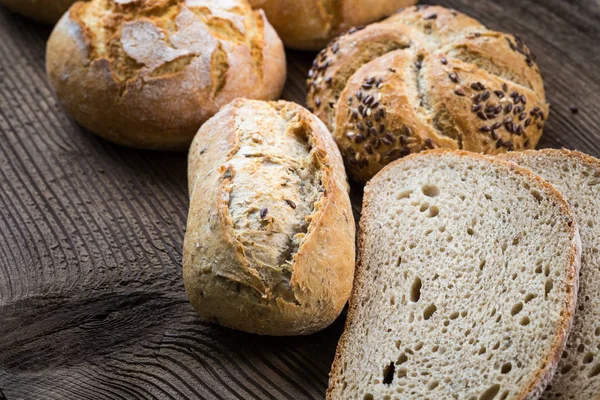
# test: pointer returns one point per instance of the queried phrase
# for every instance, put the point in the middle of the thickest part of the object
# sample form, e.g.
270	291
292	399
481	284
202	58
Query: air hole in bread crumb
388	373
431	190
419	346
402	358
529	297
595	371
490	393
597	332
402	373
428	312
424	207
504	395
566	368
454	315
516	308
588	358
549	286
404	195
470	231
368	396
415	290
525	321
433	385
537	195
506	368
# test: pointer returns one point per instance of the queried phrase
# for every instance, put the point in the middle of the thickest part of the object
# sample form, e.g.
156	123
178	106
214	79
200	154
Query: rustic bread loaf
424	78
269	246
466	283
311	24
148	73
577	177
48	11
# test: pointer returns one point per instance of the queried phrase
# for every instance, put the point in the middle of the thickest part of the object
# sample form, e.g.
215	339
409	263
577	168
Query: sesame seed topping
369	149
476	108
485	96
482	116
499	93
523	99
359	138
494	135
444	61
263	213
497	125
459	92
429	143
290	203
573	109
485	128
505	87
522	116
527	122
508	108
335	48
318	102
499	143
453	77
432	16
519	130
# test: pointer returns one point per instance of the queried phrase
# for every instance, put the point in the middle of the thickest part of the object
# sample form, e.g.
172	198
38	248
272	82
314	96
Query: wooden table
92	304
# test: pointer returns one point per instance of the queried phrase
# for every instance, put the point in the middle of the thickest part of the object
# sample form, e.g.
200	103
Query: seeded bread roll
577	176
311	24
427	77
47	11
269	246
148	73
466	283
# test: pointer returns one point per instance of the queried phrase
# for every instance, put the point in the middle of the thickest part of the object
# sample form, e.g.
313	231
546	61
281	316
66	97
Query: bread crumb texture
577	176
466	284
427	77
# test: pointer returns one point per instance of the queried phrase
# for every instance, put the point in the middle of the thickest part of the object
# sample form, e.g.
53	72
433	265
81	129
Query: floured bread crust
149	73
269	246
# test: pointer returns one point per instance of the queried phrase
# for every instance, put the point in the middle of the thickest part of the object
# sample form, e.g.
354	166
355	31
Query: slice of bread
466	283
577	176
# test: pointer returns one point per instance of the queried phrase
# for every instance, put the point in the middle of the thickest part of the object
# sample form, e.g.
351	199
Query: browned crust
452	53
46	11
311	24
158	91
538	383
324	264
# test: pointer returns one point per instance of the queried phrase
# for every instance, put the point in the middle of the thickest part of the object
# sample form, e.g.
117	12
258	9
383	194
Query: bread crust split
269	246
311	24
46	11
427	77
147	74
536	383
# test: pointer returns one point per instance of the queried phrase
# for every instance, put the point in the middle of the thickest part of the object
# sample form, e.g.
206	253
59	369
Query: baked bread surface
47	11
466	283
577	177
427	77
269	246
311	24
148	73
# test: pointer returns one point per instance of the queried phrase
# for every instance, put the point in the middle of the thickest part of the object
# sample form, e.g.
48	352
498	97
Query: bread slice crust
535	385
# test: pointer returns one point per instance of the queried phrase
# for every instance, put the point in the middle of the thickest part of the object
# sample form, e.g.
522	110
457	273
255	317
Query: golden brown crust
443	81
546	371
148	73
47	11
227	285
311	24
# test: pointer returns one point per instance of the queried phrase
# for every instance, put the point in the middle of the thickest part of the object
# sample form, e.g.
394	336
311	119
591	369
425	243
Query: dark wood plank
91	298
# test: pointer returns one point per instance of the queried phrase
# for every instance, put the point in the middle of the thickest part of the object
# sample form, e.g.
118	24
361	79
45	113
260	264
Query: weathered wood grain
91	297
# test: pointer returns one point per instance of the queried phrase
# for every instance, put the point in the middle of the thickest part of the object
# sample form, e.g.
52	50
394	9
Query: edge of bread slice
466	283
577	177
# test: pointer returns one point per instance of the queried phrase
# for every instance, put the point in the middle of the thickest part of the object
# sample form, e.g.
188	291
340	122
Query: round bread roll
426	77
270	240
48	11
148	73
311	24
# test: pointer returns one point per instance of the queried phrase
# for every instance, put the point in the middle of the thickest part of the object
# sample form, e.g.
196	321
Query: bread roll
425	78
48	11
269	246
147	74
311	24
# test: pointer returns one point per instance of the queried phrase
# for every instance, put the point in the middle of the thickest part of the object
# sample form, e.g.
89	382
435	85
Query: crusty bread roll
148	73
48	11
311	24
426	77
269	245
466	283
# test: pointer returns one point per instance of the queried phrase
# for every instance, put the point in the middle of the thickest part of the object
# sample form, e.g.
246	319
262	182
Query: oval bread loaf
269	246
311	24
466	284
48	11
577	176
148	73
425	78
